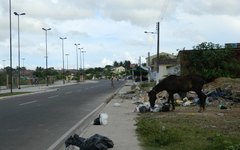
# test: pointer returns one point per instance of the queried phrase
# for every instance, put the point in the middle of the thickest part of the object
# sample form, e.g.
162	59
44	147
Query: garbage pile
145	107
95	142
225	93
224	89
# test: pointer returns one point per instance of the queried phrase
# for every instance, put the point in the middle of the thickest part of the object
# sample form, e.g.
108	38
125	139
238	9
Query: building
168	65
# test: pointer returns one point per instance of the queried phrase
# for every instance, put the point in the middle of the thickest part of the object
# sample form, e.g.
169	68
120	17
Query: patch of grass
12	94
157	131
155	134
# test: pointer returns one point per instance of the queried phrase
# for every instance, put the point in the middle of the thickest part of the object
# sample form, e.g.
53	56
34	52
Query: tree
212	60
39	72
115	64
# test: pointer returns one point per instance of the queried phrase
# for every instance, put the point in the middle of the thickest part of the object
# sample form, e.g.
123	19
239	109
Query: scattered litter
101	119
156	108
220	114
222	106
145	107
116	104
165	107
187	103
95	142
142	107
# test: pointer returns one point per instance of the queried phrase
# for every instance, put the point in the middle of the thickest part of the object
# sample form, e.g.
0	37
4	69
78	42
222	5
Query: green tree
115	64
212	60
39	72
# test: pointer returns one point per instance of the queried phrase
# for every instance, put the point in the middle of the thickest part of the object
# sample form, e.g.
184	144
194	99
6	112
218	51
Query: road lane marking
70	92
27	103
52	96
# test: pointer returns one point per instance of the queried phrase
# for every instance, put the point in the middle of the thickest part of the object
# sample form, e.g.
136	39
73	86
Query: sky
111	30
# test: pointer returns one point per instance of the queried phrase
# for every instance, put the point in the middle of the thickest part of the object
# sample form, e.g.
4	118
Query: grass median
185	129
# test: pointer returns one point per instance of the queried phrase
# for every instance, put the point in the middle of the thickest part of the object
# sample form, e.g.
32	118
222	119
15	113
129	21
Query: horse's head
152	98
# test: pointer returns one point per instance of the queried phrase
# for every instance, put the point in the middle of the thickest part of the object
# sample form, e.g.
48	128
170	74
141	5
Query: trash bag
165	107
74	140
143	109
101	119
97	121
95	142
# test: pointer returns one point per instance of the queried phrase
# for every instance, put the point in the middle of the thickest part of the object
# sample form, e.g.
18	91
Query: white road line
70	92
27	103
53	96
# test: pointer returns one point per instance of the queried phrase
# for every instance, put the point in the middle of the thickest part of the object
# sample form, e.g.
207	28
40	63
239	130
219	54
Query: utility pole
158	47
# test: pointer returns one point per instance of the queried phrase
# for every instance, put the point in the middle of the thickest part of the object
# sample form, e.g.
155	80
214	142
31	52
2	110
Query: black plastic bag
97	121
165	107
95	142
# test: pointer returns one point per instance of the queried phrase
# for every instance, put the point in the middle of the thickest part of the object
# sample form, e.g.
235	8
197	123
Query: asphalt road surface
35	122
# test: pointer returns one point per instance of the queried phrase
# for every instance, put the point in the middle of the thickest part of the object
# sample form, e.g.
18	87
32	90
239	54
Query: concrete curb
81	125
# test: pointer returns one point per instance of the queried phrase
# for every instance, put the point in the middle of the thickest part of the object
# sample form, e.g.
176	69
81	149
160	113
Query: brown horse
179	84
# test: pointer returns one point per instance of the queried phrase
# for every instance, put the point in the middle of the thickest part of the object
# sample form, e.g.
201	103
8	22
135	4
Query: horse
179	84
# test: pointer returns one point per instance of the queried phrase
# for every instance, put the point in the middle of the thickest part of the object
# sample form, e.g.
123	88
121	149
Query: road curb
82	124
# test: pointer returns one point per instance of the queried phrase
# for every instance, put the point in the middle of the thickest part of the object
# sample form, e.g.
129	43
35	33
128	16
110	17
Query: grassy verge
12	94
185	129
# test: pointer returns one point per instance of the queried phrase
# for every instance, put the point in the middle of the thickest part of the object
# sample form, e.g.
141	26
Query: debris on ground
95	142
222	92
101	119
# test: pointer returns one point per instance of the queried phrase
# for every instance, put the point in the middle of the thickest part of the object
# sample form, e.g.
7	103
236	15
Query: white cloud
114	30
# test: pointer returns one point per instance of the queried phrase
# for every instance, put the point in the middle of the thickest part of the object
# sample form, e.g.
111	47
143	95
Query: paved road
36	121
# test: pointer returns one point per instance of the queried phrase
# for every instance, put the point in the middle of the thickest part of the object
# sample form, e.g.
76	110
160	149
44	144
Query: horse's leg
170	98
202	100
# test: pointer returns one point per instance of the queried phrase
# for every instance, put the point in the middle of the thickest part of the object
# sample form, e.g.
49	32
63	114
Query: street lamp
63	55
77	53
4	63
46	29
83	62
67	60
23	62
23	72
19	68
80	58
157	44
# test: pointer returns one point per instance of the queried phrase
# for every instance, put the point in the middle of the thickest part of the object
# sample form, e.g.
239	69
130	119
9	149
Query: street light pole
77	53
46	29
3	63
67	60
83	63
63	56
158	45
19	67
80	58
23	61
10	29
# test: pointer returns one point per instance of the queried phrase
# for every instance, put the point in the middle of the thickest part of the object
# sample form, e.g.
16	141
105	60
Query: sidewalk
37	88
120	127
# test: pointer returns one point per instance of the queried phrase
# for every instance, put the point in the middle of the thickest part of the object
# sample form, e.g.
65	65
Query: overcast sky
113	30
